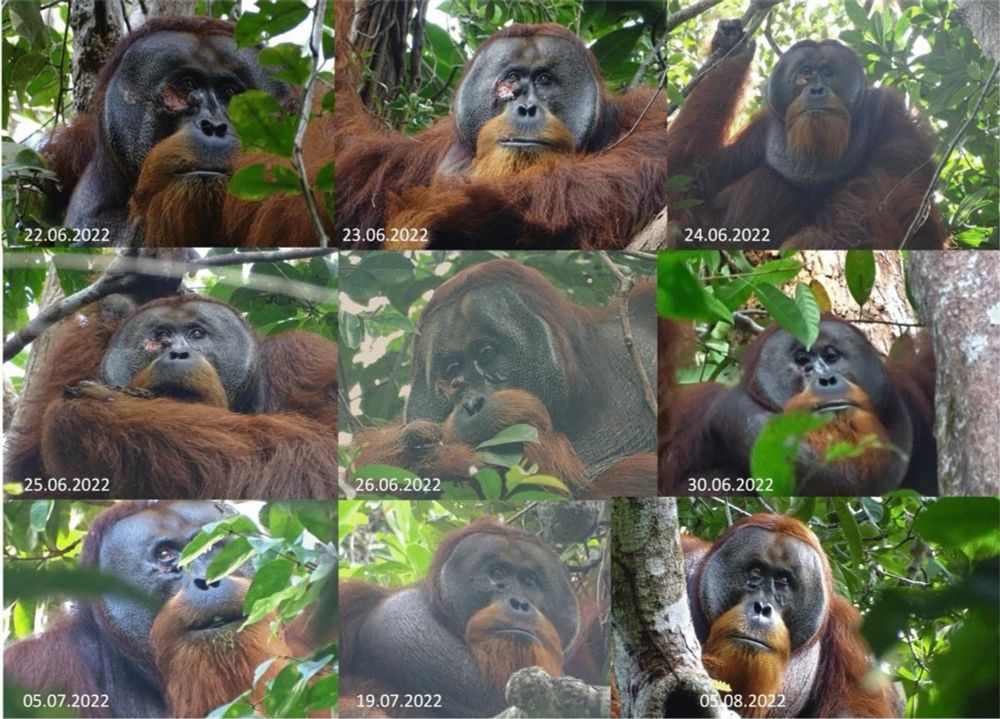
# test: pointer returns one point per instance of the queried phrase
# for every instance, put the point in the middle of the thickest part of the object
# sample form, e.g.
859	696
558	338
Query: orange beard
176	211
852	426
201	385
499	656
494	160
746	670
202	673
820	136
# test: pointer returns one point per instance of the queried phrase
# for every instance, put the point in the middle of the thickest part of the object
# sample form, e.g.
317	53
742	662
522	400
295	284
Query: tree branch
315	43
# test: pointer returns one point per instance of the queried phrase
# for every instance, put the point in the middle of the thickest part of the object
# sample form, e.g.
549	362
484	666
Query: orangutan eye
497	572
166	554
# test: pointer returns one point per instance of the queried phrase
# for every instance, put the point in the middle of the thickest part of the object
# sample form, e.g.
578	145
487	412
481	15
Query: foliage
384	294
38	47
290	545
274	296
921	50
712	288
392	542
925	574
622	35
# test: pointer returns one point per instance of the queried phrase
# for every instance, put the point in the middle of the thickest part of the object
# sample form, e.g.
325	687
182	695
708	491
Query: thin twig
46	557
242	258
642	115
625	285
315	43
925	204
110	282
118	277
647	61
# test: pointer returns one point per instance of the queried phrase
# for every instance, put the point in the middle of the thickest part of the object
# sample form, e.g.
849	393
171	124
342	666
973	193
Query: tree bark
956	294
379	32
888	302
13	405
97	27
658	670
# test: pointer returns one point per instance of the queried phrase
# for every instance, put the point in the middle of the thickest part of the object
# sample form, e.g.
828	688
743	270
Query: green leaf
859	272
805	300
777	272
515	433
39	514
324	178
23	583
516	480
776	448
293	66
784	311
678	183
323	693
273	17
679	293
271	578
211	534
229	558
851	531
490	483
977	526
26	21
617	46
351	330
262	124
255	182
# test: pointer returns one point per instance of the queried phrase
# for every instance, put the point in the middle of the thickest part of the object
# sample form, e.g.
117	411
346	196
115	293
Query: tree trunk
379	32
51	293
887	303
97	26
956	293
657	664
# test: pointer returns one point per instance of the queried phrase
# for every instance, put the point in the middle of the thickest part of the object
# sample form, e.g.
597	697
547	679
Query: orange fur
499	656
173	210
852	426
634	476
820	135
223	663
202	385
494	160
434	450
745	670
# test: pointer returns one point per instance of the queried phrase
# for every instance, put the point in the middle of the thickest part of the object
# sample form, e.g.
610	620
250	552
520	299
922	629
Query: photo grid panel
548	358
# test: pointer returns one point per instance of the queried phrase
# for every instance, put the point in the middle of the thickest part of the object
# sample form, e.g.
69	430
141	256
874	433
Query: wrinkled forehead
827	51
206	312
454	324
773	549
477	548
554	53
214	54
836	333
